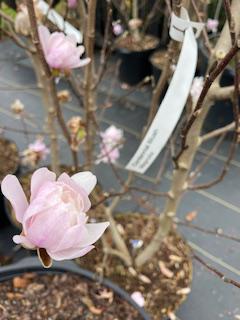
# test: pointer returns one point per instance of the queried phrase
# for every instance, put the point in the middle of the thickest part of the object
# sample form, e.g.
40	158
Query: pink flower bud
72	4
117	28
55	217
212	25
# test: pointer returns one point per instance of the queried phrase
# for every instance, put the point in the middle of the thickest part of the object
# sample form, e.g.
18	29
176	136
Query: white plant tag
58	20
175	98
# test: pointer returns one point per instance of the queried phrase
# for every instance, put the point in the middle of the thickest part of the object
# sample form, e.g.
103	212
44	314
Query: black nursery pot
3	220
134	65
33	265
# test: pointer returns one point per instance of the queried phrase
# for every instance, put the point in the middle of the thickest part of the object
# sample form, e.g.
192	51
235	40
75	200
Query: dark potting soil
9	158
60	297
147	43
164	281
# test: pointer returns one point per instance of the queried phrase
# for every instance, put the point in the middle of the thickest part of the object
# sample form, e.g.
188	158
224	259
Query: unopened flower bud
134	24
17	107
63	96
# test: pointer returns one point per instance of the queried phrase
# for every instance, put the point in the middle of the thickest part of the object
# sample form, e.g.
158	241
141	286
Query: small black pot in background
134	65
33	265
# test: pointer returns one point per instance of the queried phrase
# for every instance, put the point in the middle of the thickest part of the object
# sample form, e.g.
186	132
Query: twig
218	132
89	94
216	272
201	165
205	35
207	85
216	232
104	55
44	76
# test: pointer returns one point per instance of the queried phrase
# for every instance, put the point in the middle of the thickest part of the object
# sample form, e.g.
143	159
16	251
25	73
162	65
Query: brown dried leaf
165	271
105	294
95	310
172	316
175	258
191	216
88	302
20	282
144	278
184	291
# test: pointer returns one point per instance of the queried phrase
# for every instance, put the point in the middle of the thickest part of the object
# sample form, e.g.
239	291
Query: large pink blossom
61	51
55	217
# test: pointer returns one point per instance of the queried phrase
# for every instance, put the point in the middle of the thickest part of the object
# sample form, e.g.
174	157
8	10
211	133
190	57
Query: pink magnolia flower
54	221
72	4
108	154
196	88
112	135
61	51
212	25
39	147
138	298
111	143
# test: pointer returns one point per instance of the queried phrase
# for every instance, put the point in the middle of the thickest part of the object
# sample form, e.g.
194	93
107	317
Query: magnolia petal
44	257
44	36
72	238
39	177
86	180
48	227
75	186
138	298
68	254
95	231
13	191
20	239
82	63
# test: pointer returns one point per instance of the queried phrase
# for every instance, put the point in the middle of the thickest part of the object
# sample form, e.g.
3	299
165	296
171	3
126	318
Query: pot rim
124	50
32	264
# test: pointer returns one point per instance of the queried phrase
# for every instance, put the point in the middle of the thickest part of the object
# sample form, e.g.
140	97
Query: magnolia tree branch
49	94
44	76
218	273
89	79
184	161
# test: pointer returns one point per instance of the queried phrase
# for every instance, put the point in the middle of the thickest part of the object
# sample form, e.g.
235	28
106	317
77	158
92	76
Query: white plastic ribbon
176	96
58	20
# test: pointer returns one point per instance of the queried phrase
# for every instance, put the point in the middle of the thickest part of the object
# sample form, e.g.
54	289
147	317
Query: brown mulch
9	157
147	42
60	297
